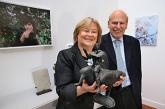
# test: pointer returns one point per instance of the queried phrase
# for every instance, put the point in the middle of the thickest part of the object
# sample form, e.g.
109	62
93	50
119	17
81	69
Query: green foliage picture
24	26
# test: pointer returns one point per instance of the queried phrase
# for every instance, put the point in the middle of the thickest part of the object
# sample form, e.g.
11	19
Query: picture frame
24	26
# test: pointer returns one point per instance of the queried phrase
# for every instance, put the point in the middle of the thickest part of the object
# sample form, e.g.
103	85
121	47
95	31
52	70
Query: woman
27	36
69	62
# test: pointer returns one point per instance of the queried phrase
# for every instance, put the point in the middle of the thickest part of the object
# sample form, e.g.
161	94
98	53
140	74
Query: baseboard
152	103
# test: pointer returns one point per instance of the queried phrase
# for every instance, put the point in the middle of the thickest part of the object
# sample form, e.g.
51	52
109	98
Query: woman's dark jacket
31	40
69	62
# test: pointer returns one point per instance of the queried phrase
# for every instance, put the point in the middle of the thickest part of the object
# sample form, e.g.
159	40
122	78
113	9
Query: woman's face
29	27
87	36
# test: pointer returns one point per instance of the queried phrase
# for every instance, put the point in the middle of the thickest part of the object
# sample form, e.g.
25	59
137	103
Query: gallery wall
16	64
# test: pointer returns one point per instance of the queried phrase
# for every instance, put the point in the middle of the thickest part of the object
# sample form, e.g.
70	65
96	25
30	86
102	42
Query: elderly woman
69	62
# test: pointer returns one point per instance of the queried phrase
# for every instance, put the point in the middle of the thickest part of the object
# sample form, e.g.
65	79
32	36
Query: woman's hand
86	88
25	35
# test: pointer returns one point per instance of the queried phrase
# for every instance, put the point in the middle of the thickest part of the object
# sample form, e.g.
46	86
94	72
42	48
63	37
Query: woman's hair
27	19
84	23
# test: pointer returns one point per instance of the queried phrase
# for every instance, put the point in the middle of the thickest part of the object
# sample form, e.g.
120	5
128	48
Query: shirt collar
113	39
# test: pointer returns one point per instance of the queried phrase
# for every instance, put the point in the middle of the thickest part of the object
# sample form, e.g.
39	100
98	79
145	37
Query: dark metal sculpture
101	76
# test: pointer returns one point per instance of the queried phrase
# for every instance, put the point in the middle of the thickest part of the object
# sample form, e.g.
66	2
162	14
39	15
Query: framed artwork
146	30
22	26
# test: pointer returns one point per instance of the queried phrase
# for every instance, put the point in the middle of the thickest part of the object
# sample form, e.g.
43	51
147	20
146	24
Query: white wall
16	64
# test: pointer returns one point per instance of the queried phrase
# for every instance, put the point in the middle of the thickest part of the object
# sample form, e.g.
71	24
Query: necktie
120	62
119	59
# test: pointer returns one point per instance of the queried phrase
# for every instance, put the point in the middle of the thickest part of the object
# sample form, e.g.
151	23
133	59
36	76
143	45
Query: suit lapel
111	51
127	50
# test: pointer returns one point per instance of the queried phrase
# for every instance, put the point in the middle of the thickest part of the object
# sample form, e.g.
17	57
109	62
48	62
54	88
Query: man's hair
119	11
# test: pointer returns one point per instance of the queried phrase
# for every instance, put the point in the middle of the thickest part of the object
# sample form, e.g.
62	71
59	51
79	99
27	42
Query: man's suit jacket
133	62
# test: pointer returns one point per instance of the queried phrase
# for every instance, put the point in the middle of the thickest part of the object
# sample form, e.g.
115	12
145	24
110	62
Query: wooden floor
147	107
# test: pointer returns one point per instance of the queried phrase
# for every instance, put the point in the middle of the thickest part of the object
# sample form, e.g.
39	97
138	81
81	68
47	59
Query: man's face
117	25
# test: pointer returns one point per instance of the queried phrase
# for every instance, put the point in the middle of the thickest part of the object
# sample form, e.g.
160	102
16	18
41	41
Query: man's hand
119	82
103	88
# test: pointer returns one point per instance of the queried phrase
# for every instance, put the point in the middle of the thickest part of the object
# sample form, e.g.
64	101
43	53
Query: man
127	93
